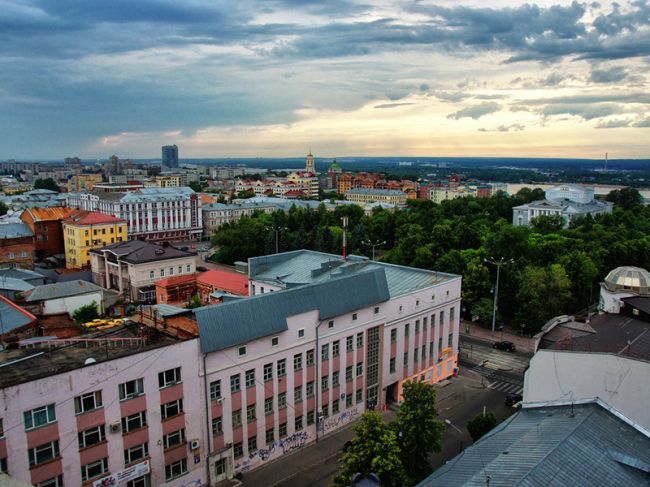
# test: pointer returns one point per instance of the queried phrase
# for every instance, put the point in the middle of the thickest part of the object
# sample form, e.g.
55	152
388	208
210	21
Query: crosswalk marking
499	382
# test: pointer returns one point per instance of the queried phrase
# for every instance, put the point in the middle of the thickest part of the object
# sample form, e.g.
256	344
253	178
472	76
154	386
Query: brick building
16	246
45	223
217	280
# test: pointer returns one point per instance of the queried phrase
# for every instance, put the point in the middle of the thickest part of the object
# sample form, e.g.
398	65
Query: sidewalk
522	343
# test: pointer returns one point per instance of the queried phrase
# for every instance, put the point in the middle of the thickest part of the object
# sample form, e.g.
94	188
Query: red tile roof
48	214
231	282
176	280
83	217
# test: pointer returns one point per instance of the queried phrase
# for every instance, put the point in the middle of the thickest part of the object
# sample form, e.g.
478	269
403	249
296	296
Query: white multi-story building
151	213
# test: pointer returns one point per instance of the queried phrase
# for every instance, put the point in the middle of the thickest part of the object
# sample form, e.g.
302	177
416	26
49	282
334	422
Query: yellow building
438	195
365	195
17	188
169	181
87	230
83	182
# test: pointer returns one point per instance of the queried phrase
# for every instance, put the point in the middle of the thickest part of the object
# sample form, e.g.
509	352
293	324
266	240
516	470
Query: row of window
90	401
452	313
188	268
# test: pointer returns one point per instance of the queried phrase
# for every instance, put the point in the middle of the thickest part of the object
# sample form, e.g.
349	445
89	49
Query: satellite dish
89	361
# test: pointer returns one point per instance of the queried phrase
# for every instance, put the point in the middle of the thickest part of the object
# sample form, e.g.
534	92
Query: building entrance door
220	469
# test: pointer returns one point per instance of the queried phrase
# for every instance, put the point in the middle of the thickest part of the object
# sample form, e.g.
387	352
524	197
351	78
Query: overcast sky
376	77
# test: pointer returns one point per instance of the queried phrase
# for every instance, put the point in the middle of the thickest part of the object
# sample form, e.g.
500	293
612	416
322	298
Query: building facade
16	246
365	195
87	230
170	156
150	213
83	182
46	225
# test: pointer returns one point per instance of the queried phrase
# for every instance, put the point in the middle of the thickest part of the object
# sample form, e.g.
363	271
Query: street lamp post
497	263
377	243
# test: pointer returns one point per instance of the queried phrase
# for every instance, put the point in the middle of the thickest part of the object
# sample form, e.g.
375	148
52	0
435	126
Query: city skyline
271	79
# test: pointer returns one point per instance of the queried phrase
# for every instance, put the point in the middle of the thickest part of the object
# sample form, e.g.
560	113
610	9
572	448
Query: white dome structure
620	283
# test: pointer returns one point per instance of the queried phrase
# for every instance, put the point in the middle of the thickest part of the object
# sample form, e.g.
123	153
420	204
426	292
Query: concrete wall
72	303
619	381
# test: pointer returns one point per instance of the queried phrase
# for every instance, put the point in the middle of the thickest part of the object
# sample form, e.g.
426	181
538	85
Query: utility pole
497	263
344	220
377	243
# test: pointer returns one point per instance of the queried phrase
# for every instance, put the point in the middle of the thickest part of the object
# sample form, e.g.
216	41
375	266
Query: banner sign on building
123	476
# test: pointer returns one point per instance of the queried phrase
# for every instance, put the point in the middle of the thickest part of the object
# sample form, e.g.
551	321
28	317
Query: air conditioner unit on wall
115	427
195	445
220	400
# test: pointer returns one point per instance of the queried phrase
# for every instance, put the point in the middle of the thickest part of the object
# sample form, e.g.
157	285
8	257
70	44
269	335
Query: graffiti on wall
286	445
336	422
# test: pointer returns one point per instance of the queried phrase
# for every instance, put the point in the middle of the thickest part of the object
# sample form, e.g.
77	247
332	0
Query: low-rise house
65	297
13	288
16	246
217	280
15	320
46	225
176	289
133	267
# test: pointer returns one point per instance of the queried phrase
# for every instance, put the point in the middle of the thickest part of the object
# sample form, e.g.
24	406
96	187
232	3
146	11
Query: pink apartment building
319	341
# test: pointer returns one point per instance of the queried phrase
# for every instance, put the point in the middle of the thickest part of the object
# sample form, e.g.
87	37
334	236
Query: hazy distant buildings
169	156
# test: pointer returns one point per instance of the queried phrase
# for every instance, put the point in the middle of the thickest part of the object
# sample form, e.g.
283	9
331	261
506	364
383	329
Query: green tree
626	198
419	432
47	183
481	425
245	194
196	186
374	449
194	302
86	313
547	223
3	208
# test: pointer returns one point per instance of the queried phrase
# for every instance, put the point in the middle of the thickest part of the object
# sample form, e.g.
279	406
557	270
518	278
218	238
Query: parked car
200	268
505	345
512	399
95	322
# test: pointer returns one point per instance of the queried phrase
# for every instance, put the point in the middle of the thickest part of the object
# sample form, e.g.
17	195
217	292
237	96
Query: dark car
200	268
505	345
512	399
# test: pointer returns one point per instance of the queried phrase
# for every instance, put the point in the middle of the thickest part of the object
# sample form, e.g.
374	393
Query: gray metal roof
236	322
14	284
553	446
12	317
62	290
15	230
290	269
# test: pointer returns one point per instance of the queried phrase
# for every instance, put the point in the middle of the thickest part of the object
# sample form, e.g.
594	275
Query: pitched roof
14	284
225	325
83	217
13	316
584	444
233	282
62	290
15	230
50	214
139	251
176	280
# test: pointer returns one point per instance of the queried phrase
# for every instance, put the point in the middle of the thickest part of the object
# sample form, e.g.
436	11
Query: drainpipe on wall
207	418
317	378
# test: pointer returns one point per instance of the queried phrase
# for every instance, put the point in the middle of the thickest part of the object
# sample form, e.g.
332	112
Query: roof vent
90	361
159	251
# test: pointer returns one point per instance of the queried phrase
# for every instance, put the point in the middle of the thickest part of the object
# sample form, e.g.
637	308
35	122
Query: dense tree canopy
47	183
555	271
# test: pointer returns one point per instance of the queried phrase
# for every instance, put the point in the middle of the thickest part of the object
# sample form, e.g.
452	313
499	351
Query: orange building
176	290
223	281
45	223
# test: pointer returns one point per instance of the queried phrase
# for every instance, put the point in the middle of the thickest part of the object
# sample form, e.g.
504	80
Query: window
235	385
406	360
91	436
275	341
297	424
176	469
236	418
169	377
359	395
335	378
417	302
215	390
2	430
324	382
335	348
415	355
297	361
452	314
376	310
433	321
442	317
349	343
393	335
171	271
94	469
252	444
53	482
282	400
330	324
217	426
136	453
162	272
417	326
310	417
310	389
283	430
424	323
282	367
450	340
39	416
392	365
301	333
268	405
401	308
134	422
189	268
354	316
335	406
406	330
87	402
431	349
174	439
238	450
268	372
310	357
270	436
348	400
359	340
250	413
43	453
325	352
152	275
326	410
241	351
348	373
250	378
297	394
170	409
180	269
